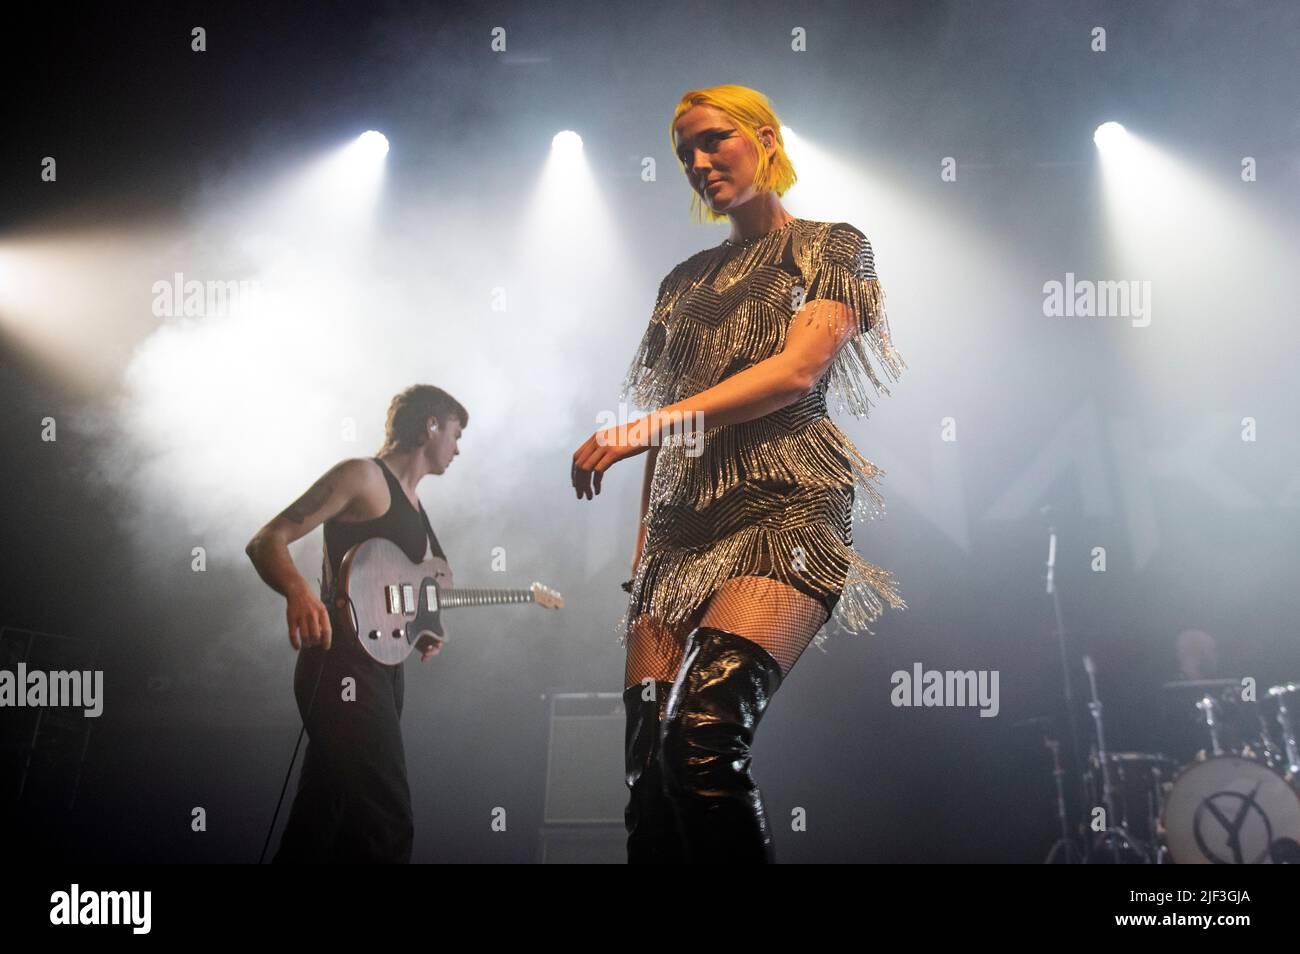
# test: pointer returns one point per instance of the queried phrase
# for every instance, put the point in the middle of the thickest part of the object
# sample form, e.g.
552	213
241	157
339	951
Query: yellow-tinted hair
748	109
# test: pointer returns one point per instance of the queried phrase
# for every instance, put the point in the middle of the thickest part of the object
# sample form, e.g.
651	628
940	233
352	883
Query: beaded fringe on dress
766	496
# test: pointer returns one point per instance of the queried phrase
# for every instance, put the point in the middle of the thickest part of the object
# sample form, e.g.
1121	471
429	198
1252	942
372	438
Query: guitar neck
457	597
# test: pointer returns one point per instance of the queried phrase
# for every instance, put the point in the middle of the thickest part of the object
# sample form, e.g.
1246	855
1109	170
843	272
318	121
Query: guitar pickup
431	598
393	599
408	598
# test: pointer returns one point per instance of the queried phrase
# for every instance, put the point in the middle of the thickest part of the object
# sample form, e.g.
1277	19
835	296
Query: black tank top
401	524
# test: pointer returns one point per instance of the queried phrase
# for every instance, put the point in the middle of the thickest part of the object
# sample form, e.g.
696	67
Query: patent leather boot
719	696
653	836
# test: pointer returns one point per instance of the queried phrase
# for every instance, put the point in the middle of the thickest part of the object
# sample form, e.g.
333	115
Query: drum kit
1236	802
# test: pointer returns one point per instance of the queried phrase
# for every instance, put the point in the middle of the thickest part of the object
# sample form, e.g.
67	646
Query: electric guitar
394	606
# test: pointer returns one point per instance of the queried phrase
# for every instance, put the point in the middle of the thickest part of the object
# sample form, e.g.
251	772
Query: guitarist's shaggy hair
407	412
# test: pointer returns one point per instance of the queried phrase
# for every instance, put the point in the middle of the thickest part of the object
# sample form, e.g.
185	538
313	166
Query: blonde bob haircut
748	109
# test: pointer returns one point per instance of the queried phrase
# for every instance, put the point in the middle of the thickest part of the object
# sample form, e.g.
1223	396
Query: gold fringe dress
775	496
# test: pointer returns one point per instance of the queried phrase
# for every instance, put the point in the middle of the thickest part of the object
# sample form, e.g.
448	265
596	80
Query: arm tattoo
310	502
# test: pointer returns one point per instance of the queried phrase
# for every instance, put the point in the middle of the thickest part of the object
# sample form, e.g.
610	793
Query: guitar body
394	603
393	606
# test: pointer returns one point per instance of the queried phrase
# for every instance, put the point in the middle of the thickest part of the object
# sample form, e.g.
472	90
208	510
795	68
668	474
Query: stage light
567	143
372	143
364	156
566	238
331	201
1110	135
74	299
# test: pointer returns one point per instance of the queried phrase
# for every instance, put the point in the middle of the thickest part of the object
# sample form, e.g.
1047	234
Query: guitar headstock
547	597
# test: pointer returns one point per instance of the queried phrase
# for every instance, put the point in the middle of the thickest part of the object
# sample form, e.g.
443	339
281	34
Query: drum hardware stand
1065	845
1271	754
1209	708
1075	755
1279	693
1162	854
1159	851
1115	833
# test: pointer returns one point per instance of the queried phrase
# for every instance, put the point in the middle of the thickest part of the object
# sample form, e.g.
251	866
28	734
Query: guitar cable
311	704
294	758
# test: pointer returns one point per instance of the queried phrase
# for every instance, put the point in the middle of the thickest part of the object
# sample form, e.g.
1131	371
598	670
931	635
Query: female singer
745	546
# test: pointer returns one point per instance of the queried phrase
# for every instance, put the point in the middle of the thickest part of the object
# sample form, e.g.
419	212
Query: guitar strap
435	548
326	574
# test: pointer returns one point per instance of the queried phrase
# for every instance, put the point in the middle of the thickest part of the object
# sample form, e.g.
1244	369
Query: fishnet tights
772	614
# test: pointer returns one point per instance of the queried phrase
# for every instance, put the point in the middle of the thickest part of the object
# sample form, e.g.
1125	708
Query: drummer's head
1198	657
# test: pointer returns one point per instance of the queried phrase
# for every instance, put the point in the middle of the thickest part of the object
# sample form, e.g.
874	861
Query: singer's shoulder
685	272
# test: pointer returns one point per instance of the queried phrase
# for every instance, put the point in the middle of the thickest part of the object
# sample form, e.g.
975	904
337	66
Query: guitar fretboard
454	598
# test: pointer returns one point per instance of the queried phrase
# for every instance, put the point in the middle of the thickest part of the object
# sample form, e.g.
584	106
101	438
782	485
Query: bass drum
1230	810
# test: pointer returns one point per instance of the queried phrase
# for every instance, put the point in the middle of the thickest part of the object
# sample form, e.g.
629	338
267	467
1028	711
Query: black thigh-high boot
652	833
717	700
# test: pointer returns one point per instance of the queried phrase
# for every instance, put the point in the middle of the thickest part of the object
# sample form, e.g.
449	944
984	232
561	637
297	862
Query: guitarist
353	802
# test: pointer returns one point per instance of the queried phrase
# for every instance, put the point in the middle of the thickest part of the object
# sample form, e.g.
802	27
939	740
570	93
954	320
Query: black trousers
353	802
